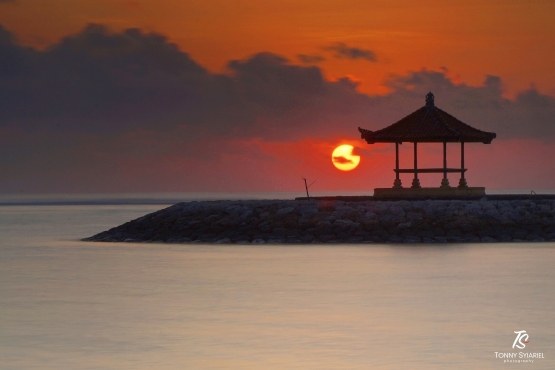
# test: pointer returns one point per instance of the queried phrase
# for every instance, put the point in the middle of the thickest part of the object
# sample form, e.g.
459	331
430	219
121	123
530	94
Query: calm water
66	304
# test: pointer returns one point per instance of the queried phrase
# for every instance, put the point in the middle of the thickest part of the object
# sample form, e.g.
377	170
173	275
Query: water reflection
68	304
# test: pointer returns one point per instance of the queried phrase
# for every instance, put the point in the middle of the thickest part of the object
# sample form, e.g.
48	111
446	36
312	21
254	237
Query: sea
68	304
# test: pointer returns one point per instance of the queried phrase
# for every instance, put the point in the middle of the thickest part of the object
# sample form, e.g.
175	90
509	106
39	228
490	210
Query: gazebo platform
428	124
471	192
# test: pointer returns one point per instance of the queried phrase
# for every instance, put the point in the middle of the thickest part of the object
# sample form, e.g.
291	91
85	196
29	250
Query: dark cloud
7	1
310	59
342	51
98	81
529	115
89	109
102	82
342	160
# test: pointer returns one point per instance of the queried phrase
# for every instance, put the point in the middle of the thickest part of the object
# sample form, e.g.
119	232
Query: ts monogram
521	339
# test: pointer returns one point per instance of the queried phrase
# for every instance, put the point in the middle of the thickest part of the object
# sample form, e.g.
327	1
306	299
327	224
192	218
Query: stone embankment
329	221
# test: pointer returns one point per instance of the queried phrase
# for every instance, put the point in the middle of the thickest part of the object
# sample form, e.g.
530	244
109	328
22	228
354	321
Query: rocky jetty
336	221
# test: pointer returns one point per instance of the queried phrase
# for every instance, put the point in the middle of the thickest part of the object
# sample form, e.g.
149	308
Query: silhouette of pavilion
428	124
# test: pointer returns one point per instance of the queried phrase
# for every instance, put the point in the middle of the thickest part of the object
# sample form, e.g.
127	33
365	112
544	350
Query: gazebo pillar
397	183
462	181
415	181
445	181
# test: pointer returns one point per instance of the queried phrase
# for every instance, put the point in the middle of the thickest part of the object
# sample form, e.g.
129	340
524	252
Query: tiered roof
427	124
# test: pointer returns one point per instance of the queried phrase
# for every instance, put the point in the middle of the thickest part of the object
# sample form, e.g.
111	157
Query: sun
343	158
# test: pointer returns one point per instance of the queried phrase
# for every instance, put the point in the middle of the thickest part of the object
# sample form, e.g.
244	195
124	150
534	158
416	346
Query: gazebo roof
427	124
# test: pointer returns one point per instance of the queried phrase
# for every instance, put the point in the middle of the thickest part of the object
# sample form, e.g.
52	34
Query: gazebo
428	124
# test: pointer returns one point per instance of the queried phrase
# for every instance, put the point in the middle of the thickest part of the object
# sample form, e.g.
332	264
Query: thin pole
444	160
415	162
397	160
462	159
306	186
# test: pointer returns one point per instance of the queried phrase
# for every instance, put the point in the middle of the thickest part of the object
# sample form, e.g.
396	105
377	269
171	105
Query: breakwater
338	221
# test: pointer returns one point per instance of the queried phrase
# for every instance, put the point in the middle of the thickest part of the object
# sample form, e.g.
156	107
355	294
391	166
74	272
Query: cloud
342	51
99	110
342	160
310	59
103	82
7	1
530	115
98	81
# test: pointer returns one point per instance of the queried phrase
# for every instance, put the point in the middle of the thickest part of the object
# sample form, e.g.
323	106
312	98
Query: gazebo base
429	192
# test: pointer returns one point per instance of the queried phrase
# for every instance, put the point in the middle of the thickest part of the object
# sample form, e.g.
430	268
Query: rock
439	232
276	240
493	213
487	239
279	231
397	210
285	211
414	216
504	238
326	238
411	239
471	239
386	217
425	234
307	238
394	239
534	238
369	216
326	225
308	211
346	224
520	233
264	227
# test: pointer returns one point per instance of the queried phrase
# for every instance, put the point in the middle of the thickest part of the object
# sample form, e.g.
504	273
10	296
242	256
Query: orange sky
511	38
54	143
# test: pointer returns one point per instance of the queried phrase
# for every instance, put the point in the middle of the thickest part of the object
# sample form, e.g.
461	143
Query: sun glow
343	158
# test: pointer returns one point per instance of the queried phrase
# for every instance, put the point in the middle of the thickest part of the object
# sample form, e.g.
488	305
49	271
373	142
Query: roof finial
429	99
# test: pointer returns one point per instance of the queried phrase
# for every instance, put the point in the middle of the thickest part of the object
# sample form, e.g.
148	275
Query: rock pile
328	221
